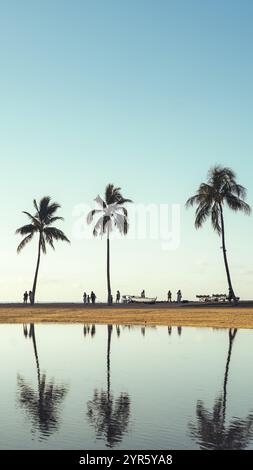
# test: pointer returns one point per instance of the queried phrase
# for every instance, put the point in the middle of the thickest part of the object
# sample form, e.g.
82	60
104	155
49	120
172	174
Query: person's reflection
87	329
108	415
42	405
118	330
179	330
211	430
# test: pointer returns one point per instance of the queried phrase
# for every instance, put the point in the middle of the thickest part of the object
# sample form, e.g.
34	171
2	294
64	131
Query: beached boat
127	299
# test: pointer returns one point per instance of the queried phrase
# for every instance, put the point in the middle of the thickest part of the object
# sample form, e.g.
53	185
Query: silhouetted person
25	297
111	299
143	293
84	297
169	296
179	296
118	296
88	299
30	296
169	330
179	330
93	297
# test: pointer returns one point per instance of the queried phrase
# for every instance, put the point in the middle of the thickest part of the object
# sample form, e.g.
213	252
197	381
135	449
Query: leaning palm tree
40	223
211	429
221	188
112	213
42	404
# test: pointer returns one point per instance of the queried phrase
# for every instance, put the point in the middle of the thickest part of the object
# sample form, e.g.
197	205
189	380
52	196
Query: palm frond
48	238
55	234
237	204
34	219
24	242
91	214
121	223
43	244
124	200
36	205
98	228
107	224
52	220
26	229
239	190
192	200
109	194
100	201
202	213
216	218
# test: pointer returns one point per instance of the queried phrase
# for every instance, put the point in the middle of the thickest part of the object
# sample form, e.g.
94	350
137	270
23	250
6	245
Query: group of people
28	296
87	299
179	296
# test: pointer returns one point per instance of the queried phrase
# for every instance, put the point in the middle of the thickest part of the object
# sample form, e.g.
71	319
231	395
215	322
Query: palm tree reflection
42	404
211	430
109	416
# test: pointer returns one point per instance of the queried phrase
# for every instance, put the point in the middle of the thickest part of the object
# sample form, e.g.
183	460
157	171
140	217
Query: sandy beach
193	314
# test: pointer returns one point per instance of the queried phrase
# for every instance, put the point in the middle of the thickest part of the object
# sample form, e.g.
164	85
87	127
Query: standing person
169	296
143	293
179	296
88	299
93	297
25	297
84	297
30	296
118	296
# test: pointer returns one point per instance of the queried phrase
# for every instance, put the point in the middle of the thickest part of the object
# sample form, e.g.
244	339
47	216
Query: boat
128	299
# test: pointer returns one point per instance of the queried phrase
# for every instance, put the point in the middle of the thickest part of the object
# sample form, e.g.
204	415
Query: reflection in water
43	404
89	329
211	431
109	416
179	330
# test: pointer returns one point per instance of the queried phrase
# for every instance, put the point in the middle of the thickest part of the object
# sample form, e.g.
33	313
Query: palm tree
112	214
211	433
108	415
43	405
40	224
211	430
221	188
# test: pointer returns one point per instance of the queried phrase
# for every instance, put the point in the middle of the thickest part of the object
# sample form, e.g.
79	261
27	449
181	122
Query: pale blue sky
144	94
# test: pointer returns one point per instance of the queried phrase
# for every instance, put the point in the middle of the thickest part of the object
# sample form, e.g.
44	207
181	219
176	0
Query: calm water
88	387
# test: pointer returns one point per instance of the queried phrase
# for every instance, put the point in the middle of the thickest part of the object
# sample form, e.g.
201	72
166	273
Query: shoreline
192	314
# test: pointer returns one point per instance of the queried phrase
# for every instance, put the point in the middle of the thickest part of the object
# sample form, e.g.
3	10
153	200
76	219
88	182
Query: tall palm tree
112	214
221	188
40	223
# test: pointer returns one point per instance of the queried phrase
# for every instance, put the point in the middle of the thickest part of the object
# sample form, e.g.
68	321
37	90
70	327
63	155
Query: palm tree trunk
109	335
36	272
232	333
109	299
230	287
32	334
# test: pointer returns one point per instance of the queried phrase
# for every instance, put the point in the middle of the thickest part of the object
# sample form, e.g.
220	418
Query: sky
146	95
